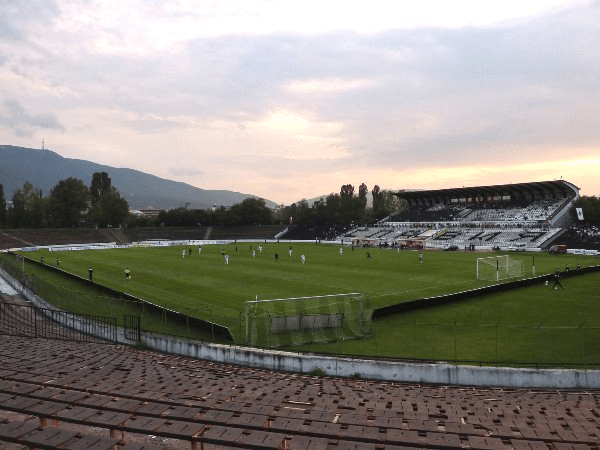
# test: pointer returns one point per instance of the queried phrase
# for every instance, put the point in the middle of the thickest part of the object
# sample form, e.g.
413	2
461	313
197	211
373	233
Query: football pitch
162	275
202	285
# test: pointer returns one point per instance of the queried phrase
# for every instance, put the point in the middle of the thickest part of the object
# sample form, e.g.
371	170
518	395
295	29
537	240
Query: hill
45	168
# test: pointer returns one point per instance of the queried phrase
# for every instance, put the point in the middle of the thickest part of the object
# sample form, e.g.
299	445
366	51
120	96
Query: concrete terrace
74	395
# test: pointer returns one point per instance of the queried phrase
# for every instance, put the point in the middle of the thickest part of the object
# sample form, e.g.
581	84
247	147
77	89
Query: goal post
302	320
499	268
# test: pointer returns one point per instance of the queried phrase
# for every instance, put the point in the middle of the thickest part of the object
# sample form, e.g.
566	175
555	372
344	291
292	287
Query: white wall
439	373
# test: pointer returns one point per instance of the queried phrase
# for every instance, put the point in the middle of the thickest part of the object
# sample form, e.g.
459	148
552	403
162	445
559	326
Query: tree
591	210
377	201
347	191
333	207
101	184
384	203
222	216
251	211
108	207
29	207
363	190
392	203
177	217
67	203
304	213
2	206
381	203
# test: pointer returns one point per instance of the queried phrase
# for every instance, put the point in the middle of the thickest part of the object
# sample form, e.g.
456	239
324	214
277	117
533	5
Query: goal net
499	268
303	320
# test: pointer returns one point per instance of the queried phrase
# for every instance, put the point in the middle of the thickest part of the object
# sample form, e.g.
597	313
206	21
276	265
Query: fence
154	318
29	321
497	344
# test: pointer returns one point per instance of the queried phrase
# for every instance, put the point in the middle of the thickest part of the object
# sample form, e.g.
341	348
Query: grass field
531	326
517	327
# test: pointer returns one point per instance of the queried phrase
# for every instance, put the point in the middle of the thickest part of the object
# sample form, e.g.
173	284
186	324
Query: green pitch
535	326
164	276
202	285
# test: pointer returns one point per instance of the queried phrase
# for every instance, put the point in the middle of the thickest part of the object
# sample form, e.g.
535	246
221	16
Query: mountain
45	168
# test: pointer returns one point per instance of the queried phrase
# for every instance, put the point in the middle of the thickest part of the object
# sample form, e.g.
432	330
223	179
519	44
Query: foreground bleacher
73	395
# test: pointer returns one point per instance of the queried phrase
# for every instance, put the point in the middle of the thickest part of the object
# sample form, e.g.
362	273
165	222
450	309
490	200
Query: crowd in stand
536	211
469	225
583	237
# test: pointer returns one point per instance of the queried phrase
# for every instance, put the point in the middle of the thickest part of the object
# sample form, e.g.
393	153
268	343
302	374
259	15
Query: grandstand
70	393
24	237
525	215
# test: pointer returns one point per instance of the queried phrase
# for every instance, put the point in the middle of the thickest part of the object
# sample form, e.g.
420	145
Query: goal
303	320
499	268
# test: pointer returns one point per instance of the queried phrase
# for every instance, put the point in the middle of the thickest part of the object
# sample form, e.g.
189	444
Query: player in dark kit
557	282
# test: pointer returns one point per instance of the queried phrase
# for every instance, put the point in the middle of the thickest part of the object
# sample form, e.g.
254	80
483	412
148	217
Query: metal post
376	346
414	338
581	345
497	343
455	353
246	314
240	323
538	343
212	325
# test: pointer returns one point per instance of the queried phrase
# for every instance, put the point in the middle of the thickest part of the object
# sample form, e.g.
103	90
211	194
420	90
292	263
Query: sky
288	100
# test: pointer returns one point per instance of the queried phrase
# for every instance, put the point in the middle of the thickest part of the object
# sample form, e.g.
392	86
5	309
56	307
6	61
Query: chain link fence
499	344
75	298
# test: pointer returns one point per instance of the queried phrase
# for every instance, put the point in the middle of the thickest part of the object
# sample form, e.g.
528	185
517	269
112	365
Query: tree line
73	204
345	208
251	211
70	204
335	210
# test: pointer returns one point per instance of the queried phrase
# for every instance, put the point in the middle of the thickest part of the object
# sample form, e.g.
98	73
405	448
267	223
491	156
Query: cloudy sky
289	100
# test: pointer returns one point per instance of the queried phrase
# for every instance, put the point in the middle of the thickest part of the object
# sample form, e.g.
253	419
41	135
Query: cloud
465	94
21	123
288	135
17	16
258	91
328	86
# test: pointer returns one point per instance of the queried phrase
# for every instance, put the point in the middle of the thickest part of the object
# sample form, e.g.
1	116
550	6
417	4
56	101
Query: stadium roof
534	190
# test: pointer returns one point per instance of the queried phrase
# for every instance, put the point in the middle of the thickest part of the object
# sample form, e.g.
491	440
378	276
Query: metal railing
30	321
